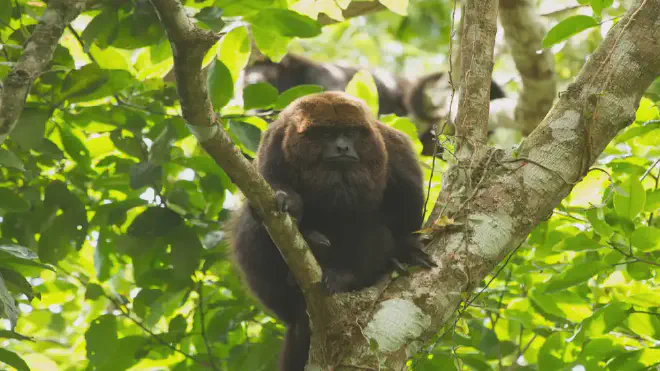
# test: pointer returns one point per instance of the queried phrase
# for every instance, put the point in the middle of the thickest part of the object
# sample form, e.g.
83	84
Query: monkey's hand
336	281
412	254
290	202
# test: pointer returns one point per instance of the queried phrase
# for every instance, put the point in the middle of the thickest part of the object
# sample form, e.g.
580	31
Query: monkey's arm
404	197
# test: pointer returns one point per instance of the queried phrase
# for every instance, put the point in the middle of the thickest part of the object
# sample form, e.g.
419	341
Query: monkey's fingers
420	258
281	198
399	267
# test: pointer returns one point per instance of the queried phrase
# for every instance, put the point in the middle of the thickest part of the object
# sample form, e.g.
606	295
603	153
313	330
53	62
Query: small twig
649	170
631	256
200	291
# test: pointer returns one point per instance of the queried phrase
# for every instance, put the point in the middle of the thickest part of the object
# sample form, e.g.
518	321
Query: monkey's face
333	131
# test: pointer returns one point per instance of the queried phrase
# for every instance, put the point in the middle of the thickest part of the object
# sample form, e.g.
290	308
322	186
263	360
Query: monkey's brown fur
357	219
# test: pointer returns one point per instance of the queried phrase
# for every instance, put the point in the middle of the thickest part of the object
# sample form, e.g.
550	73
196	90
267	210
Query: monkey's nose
342	148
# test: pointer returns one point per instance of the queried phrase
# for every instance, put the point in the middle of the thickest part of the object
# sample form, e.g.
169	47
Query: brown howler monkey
354	187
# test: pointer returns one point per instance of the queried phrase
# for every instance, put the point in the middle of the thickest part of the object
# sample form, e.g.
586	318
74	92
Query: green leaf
579	242
603	321
294	93
212	17
287	23
10	201
597	219
6	9
551	354
75	147
234	51
83	81
7	304
397	6
567	28
19	251
271	44
186	252
652	200
154	222
248	135
9	159
599	5
261	95
220	84
100	29
30	129
144	174
94	291
101	340
58	239
628	206
18	284
177	325
12	359
362	86
646	238
574	275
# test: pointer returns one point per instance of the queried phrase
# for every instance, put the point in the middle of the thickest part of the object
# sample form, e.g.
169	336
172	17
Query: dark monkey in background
354	187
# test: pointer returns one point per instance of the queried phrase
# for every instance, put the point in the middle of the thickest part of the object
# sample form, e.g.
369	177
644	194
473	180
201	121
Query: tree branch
523	32
189	45
477	44
517	192
37	54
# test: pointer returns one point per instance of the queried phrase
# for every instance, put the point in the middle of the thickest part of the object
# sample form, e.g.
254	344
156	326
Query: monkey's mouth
341	159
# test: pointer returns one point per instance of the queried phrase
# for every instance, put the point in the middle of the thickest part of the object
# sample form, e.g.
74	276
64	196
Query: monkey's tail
295	349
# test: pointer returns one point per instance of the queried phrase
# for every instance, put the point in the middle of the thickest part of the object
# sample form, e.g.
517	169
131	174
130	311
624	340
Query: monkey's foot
318	242
338	281
289	203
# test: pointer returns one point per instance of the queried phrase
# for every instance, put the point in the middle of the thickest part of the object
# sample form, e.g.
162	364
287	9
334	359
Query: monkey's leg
410	252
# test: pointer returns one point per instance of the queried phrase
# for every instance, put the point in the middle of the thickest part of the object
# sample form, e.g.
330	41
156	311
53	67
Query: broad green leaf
154	222
599	5
635	360
144	174
574	275
7	304
294	93
212	17
186	251
603	321
271	44
597	219
17	284
261	95
551	354
9	159
562	304
83	81
397	6
100	29
638	130
93	292
58	239
10	201
287	23
248	135
632	204
14	360
6	9
75	147
646	238
177	325
31	126
110	58
567	28
234	8
220	84
234	51
101	341
652	203
362	86
579	242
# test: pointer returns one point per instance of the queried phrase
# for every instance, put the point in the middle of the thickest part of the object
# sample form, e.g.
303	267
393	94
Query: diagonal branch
189	45
38	52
